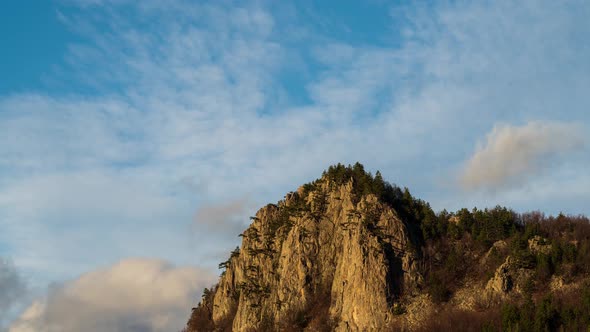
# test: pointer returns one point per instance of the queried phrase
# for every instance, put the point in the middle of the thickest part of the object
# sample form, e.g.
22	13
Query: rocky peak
334	245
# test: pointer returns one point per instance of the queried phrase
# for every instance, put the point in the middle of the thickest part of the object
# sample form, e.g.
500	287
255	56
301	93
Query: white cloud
132	295
512	154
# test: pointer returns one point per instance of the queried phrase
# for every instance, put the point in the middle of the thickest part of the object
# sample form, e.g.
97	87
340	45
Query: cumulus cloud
514	153
133	295
12	288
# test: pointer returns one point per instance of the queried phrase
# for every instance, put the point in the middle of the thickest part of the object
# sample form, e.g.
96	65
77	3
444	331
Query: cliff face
322	248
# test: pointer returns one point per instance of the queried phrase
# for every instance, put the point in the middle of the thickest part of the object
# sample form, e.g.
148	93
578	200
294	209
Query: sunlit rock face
325	248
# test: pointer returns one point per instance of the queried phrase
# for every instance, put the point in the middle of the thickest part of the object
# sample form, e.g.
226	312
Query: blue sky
137	137
33	42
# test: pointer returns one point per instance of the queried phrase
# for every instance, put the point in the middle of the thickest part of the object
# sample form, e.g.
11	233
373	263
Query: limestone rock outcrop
509	277
324	243
538	244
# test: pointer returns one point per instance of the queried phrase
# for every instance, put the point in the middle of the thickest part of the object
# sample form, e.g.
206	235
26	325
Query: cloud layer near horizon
142	295
513	154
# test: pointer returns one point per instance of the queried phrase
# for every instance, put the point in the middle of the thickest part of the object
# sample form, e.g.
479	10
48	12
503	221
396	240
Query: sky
136	138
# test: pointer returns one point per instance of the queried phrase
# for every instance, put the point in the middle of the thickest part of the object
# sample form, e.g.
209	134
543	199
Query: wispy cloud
513	154
132	295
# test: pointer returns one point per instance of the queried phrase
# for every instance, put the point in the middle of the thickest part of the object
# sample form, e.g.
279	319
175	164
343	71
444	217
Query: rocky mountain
351	252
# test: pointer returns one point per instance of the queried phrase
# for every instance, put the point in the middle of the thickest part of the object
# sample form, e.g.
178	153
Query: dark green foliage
223	265
437	289
432	226
547	316
485	226
320	204
518	316
510	317
544	268
363	182
235	253
466	220
569	312
275	224
226	264
519	250
489	226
